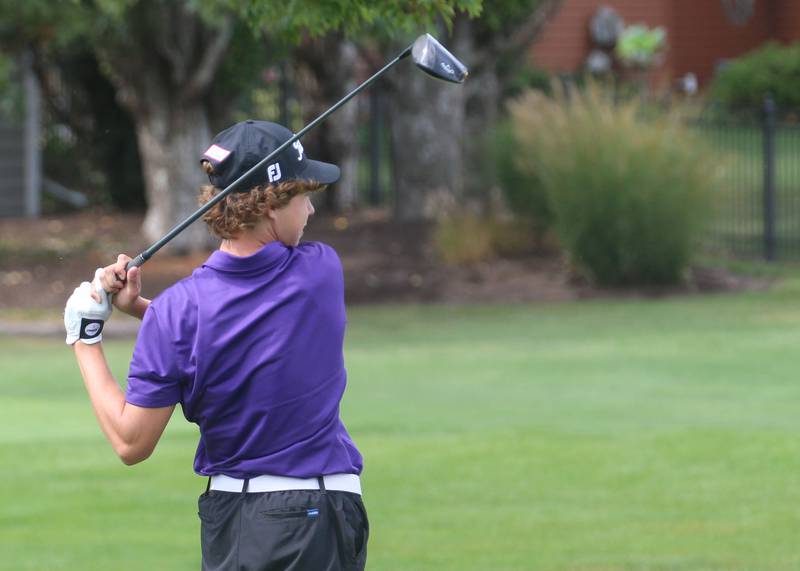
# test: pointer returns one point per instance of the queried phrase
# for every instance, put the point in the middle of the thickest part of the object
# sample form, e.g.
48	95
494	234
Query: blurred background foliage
132	89
11	97
176	71
772	70
626	193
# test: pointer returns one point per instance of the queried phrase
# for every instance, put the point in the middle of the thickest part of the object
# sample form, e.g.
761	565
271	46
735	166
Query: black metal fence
757	212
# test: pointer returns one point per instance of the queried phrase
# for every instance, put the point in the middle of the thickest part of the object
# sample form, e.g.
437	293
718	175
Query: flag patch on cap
217	153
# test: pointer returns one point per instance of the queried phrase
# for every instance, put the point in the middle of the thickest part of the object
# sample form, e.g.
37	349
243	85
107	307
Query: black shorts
297	530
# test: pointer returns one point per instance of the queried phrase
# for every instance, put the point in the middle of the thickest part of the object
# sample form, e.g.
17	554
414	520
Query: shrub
628	194
463	238
522	187
523	78
774	70
11	96
515	238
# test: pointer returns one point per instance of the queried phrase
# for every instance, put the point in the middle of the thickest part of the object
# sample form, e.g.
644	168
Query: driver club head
434	59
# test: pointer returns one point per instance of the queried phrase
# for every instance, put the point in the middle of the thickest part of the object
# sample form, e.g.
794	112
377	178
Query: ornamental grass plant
522	187
462	238
629	189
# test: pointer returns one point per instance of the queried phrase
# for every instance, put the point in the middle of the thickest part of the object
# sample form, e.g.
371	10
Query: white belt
338	482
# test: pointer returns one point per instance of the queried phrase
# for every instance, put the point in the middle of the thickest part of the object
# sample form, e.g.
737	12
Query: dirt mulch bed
384	261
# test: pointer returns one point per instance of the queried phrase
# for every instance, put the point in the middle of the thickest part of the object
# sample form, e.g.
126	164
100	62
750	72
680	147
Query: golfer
250	345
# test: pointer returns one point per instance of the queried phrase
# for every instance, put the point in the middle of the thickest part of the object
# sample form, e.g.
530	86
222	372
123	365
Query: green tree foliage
318	17
774	70
10	91
165	58
507	15
68	20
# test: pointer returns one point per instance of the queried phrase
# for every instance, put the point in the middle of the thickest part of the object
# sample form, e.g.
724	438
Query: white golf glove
84	317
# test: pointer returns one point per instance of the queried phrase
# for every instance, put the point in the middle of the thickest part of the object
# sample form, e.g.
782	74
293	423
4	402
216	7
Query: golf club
428	54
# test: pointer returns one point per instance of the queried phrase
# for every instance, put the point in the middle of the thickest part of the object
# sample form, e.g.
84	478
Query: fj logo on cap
274	172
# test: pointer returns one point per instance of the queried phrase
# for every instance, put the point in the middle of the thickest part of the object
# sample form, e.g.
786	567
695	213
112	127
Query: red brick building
700	34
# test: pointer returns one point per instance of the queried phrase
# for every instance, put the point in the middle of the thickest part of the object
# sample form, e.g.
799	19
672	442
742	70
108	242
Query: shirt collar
266	257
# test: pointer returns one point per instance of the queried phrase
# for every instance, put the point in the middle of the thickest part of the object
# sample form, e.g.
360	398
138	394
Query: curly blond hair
242	210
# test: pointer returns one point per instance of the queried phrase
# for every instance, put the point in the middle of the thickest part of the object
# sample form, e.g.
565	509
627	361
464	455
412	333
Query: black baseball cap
240	147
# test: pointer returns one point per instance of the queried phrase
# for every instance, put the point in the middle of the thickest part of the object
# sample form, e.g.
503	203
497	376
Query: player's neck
248	242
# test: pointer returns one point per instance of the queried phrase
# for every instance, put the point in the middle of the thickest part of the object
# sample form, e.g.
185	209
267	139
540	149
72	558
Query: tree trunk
327	71
441	133
482	96
342	132
495	56
428	137
163	68
171	142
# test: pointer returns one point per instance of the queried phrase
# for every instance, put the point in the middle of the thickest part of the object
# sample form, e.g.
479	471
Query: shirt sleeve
333	282
156	372
333	265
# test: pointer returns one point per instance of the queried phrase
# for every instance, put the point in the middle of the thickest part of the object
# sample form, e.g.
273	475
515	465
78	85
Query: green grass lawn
606	435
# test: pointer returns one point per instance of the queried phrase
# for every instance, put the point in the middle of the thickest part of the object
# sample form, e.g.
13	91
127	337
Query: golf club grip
136	262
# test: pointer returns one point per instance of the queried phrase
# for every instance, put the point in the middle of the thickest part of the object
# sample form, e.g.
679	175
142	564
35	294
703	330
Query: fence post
375	147
33	129
769	179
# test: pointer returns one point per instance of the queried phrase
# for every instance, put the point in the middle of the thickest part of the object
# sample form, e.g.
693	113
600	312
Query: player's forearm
108	400
135	309
138	308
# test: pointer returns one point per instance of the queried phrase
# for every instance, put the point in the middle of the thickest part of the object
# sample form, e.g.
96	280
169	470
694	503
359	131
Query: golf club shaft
148	253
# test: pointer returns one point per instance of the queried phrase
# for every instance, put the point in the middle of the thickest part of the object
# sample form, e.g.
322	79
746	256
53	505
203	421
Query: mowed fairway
604	435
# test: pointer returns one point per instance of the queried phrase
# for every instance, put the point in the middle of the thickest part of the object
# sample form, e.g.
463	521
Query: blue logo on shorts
313	513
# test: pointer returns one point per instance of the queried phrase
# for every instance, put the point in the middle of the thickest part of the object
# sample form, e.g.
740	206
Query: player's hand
84	317
125	286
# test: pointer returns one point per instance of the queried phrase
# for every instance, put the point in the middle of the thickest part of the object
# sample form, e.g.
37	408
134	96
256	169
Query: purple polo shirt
251	347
